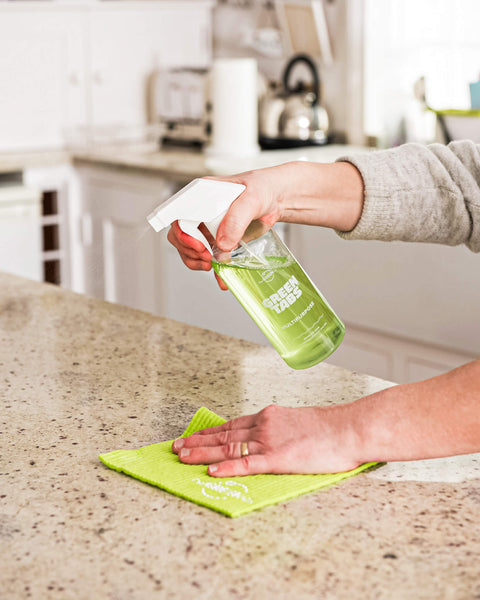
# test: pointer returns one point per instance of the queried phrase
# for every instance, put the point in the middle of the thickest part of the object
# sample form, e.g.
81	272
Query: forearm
325	194
429	419
417	193
329	195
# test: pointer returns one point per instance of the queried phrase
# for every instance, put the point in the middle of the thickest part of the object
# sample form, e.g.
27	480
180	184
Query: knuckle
270	411
191	263
224	438
268	425
231	451
245	463
228	426
172	239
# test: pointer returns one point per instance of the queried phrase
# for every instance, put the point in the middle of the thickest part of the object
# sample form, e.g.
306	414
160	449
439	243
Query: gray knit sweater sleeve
419	193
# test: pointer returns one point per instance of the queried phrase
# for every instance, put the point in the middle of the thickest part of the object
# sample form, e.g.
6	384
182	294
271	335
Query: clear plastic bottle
261	273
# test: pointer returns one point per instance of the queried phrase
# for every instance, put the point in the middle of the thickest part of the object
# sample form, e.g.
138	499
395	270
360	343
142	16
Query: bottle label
285	296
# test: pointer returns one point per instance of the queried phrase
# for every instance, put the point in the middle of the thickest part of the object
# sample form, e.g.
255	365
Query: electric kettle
293	116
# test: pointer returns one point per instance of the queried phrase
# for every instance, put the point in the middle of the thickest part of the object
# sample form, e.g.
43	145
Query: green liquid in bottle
286	306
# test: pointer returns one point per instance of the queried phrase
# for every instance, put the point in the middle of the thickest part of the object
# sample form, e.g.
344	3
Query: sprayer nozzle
155	221
201	201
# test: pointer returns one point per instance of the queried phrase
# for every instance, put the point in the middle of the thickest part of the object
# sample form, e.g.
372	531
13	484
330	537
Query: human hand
192	252
250	205
330	195
279	440
428	419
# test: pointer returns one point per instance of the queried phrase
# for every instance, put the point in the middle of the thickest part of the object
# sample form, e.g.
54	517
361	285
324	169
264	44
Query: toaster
182	107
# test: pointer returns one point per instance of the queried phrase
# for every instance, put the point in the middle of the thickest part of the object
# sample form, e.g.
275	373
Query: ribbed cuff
376	219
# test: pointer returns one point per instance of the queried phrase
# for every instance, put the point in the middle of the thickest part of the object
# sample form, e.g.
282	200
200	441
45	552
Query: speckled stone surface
17	161
81	377
186	164
174	163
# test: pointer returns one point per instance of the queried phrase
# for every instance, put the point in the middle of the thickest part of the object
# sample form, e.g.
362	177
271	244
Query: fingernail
184	452
178	443
212	469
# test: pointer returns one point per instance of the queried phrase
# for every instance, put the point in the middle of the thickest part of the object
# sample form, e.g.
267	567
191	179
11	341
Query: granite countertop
18	161
188	163
147	158
82	376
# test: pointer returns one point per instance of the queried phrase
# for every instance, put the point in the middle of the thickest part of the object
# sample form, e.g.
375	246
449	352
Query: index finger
245	422
187	240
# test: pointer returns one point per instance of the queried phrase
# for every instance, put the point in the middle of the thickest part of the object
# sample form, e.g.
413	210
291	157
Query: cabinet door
125	261
394	358
413	307
42	76
194	297
140	40
122	255
427	292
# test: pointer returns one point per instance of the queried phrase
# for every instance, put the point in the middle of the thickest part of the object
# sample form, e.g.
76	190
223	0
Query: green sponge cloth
235	496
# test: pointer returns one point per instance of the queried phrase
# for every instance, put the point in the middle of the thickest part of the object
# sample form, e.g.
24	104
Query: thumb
239	216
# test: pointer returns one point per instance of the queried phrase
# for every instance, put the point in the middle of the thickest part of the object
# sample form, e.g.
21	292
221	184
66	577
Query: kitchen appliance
293	116
181	105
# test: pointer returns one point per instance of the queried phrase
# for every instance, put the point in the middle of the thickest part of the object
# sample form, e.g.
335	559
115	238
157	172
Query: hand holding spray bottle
261	273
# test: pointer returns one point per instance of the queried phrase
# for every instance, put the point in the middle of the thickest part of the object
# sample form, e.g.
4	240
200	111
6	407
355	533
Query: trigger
191	228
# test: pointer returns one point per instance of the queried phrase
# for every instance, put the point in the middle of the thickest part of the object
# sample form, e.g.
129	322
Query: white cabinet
58	194
125	261
121	255
20	230
411	310
42	71
395	358
66	68
130	41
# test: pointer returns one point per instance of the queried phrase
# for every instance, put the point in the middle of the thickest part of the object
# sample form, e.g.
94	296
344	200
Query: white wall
69	67
407	39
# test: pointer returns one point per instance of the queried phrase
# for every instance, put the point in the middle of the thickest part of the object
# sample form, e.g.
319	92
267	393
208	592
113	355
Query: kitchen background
94	93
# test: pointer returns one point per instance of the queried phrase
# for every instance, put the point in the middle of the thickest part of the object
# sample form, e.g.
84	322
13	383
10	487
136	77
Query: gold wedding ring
244	449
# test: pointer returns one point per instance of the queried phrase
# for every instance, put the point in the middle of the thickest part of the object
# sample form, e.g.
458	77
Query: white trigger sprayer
201	201
261	273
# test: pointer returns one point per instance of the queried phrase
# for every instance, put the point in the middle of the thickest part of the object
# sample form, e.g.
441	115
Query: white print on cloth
285	296
227	489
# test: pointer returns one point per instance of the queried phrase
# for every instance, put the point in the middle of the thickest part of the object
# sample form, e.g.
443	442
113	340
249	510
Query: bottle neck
259	243
254	232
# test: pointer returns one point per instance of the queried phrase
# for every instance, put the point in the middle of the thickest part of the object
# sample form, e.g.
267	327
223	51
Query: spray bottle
261	273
